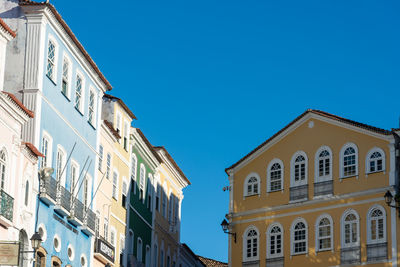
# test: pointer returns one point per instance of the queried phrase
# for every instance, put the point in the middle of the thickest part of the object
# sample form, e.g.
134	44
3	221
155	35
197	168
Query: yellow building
169	181
112	183
313	195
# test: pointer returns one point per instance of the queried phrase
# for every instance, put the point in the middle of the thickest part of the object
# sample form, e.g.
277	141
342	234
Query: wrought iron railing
64	198
79	210
323	188
49	186
90	220
275	262
377	252
6	205
350	255
299	192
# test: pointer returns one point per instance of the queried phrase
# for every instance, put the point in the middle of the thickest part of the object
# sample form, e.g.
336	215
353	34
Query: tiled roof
71	34
19	103
112	130
7	28
149	145
130	113
212	263
320	113
33	149
173	162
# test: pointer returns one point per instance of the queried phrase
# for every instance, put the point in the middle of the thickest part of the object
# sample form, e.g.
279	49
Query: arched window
376	225
274	241
324	233
275	175
348	160
299	169
142	181
252	185
3	168
60	165
250	244
350	229
375	161
108	167
323	164
299	237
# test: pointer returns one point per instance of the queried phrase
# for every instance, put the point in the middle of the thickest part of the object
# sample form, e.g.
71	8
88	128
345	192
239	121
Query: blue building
53	75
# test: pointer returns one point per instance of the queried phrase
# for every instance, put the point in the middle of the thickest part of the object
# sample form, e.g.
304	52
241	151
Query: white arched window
376	225
252	185
139	249
3	169
323	164
275	175
348	160
250	244
275	241
375	161
324	233
350	230
299	237
299	169
142	181
61	161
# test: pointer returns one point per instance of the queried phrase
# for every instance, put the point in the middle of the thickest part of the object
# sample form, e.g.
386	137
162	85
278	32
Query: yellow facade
301	205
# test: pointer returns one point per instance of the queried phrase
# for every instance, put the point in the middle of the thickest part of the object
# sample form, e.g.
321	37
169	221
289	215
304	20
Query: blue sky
212	79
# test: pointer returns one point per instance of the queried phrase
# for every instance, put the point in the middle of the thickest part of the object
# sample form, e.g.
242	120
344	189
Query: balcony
48	190
350	255
89	222
298	193
104	251
377	252
63	201
6	209
275	262
323	188
76	216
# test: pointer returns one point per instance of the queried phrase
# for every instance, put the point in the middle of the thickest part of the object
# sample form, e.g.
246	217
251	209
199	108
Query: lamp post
225	228
389	198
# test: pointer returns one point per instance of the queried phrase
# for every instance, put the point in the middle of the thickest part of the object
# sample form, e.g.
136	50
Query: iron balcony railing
299	192
350	255
275	262
6	205
63	198
323	188
90	220
48	186
377	252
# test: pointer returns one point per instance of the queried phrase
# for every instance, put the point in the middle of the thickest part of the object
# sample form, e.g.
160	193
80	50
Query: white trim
82	97
73	252
114	243
63	166
139	249
341	160
140	216
118	219
317	237
368	223
244	237
115	171
318	178
69	80
77	167
85	259
367	160
245	184
293	183
292	243
268	234
271	163
94	118
57	237
51	38
342	229
44	236
46	135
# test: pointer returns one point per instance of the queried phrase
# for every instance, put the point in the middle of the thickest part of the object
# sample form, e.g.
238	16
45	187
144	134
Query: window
51	60
299	169
105	233
164	202
97	225
46	150
149	193
162	258
3	165
133	172
376	231
176	211
112	237
324	233
350	229
158	195
79	93
274	241
118	125
252	184
60	166
124	191
139	249
121	249
299	237
275	175
101	151
170	207
65	76
115	186
348	160
126	136
108	168
250	244
155	255
83	260
74	177
323	164
92	107
86	192
142	181
375	160
27	193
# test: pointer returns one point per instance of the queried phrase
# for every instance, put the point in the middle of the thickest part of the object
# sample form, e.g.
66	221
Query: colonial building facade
313	195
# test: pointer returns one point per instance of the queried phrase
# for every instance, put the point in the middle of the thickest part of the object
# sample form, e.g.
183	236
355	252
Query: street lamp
389	198
36	241
225	228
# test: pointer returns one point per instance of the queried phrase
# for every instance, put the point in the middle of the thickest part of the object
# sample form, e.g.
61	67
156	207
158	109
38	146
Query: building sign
9	253
105	249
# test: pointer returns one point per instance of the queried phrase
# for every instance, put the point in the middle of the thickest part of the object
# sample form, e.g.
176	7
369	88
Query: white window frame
74	164
126	134
113	242
47	136
6	164
108	165
118	124
92	120
63	163
244	249
142	181
368	160
150	192
69	75
88	178
317	236
268	234
292	235
245	185
369	219
106	226
317	177
342	229
293	183
82	96
53	77
341	158
115	193
101	157
271	163
164	200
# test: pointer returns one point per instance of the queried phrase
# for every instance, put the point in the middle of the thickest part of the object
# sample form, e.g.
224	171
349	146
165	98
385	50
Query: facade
144	164
50	71
313	195
169	182
188	259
